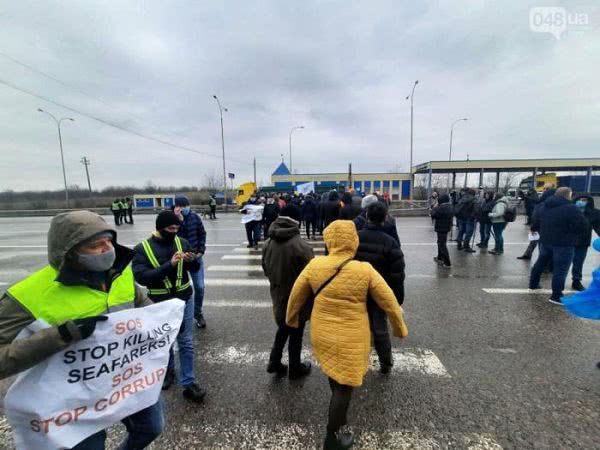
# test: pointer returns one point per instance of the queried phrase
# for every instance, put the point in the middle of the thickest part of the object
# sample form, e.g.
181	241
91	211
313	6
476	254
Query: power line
114	125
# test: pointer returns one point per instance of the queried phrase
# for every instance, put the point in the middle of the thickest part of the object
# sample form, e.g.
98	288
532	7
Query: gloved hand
85	326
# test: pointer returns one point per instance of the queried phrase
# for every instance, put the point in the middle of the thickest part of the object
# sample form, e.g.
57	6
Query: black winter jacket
465	209
271	212
309	210
443	215
592	222
292	210
330	211
192	230
384	254
389	227
146	275
559	222
349	212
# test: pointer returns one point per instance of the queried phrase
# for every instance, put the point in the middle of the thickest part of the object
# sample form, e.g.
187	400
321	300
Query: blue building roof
282	170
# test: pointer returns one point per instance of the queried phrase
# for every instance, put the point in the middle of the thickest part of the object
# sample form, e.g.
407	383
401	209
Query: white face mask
97	263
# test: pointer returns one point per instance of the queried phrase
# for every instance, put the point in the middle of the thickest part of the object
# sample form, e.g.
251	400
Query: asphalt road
480	370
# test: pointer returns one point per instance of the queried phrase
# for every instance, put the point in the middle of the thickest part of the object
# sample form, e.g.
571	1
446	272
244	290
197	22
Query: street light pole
221	109
451	134
62	158
291	131
411	96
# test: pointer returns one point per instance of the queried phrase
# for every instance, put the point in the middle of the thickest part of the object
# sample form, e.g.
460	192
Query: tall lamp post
451	134
221	109
62	158
411	96
291	131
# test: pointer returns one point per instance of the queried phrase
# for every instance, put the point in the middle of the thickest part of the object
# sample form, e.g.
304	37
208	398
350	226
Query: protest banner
96	382
306	188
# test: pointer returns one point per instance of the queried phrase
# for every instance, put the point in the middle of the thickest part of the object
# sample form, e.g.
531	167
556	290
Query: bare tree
212	182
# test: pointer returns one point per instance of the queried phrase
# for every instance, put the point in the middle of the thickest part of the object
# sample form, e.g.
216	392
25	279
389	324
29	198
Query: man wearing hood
284	256
161	263
443	215
310	215
559	223
89	275
349	210
585	203
192	230
271	213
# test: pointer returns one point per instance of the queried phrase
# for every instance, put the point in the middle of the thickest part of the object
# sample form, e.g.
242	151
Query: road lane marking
522	291
242	257
235	269
414	360
253	251
235	282
237	304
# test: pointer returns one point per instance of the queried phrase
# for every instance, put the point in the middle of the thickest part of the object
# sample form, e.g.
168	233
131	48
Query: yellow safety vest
50	300
179	286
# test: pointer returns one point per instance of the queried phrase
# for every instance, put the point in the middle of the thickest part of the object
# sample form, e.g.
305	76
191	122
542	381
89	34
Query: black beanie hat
182	200
165	219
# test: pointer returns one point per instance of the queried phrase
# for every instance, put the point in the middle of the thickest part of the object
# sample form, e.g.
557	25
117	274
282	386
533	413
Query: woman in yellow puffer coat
340	334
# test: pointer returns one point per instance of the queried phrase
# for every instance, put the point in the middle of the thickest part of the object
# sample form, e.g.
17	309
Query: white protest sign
96	382
306	188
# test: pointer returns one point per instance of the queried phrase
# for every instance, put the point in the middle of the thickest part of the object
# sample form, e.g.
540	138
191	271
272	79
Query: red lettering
63	418
97	406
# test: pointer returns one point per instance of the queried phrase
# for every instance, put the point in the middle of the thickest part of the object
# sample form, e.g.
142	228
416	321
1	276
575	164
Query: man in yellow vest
161	263
89	275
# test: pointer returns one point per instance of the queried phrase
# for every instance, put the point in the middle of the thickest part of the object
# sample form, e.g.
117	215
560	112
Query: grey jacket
67	230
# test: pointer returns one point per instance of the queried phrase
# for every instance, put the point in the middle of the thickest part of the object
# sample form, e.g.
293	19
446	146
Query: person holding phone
161	263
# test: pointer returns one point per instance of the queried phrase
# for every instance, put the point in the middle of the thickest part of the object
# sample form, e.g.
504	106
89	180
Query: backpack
510	213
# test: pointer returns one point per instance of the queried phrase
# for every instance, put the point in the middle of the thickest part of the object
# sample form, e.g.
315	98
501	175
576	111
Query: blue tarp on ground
586	304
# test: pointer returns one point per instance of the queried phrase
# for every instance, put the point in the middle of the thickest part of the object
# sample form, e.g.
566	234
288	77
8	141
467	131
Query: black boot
468	249
524	257
300	371
459	245
338	441
169	379
577	286
277	368
194	393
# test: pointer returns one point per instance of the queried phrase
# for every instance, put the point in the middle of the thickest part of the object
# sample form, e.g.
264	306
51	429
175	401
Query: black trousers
117	215
381	334
338	405
213	212
128	214
294	347
443	255
530	248
311	223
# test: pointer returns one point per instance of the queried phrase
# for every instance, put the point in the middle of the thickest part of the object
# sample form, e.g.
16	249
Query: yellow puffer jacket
340	334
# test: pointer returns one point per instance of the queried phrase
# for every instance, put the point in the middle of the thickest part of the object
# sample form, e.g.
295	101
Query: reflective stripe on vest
47	299
179	286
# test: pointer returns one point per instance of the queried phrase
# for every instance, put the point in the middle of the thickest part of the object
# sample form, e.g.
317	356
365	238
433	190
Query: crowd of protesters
560	226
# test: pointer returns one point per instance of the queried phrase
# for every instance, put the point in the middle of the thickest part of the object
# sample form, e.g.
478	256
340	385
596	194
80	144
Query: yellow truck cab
245	191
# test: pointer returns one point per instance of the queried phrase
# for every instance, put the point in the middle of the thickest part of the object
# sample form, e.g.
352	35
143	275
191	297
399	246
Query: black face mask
168	236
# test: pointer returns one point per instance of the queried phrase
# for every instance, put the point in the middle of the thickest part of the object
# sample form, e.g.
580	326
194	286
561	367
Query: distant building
396	184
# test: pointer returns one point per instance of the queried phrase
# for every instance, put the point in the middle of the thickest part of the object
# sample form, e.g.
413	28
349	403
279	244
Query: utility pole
300	127
221	109
62	157
86	162
254	162
412	177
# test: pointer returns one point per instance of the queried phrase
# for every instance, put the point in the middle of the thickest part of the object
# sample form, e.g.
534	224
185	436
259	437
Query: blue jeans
198	282
561	257
465	231
498	237
185	343
143	427
484	232
578	260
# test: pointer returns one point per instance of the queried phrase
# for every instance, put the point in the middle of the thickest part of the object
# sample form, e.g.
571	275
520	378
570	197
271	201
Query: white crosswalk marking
242	257
237	304
235	282
520	291
235	269
416	360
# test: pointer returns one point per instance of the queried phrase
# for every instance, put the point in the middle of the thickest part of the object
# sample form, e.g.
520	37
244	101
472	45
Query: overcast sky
340	68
